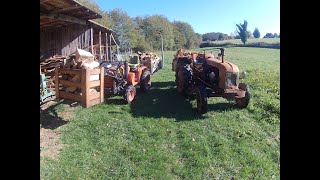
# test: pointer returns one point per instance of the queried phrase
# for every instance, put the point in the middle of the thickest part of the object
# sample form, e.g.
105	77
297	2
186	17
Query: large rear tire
145	80
202	99
243	102
184	79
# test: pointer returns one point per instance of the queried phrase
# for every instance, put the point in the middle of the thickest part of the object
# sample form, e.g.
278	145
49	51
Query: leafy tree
188	32
155	26
268	35
213	36
242	31
275	35
179	39
249	34
256	33
126	32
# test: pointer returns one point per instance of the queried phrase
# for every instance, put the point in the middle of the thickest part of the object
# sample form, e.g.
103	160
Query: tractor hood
223	67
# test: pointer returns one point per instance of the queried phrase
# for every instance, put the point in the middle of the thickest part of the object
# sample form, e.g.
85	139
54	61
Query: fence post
102	84
85	88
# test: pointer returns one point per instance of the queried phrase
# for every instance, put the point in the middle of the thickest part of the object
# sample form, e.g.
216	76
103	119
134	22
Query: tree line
144	33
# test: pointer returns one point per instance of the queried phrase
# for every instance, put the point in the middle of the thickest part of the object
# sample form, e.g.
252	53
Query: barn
66	25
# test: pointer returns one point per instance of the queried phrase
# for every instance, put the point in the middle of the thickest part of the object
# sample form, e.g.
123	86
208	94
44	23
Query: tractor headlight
232	79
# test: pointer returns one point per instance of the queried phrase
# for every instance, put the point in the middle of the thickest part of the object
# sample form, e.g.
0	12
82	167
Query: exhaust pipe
222	54
126	69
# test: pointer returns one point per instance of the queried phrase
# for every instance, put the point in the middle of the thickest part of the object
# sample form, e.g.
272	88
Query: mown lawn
160	135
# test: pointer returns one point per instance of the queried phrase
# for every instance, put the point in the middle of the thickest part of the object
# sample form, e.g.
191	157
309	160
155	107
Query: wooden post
92	41
110	47
107	55
56	83
100	55
85	87
102	84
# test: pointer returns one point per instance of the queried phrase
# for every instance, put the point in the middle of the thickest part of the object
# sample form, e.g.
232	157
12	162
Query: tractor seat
133	62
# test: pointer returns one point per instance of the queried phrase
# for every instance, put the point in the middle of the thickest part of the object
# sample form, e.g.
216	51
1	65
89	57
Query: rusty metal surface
234	93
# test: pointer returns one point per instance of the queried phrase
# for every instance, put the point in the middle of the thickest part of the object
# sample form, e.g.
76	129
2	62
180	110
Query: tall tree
256	33
126	31
188	32
155	26
242	31
268	35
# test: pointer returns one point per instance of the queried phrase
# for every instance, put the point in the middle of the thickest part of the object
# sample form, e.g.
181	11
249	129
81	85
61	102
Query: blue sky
206	15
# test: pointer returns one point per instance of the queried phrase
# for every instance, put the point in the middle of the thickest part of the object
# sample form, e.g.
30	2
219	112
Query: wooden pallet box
88	79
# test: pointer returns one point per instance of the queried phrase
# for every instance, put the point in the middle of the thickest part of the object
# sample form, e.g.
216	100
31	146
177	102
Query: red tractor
121	77
203	75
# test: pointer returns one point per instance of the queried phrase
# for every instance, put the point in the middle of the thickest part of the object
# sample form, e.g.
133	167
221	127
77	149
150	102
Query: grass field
260	42
160	135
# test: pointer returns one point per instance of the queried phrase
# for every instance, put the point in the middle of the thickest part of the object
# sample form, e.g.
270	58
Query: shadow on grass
118	101
49	118
164	101
223	106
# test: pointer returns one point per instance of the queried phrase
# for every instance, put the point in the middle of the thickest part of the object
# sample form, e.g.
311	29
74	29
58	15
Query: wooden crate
85	98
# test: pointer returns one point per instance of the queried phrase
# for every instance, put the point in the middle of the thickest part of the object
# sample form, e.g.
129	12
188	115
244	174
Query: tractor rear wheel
183	78
145	80
243	102
202	99
130	94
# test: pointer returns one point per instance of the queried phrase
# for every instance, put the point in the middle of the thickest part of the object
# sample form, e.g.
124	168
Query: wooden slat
100	55
91	41
110	54
101	85
66	9
57	80
85	88
70	96
94	96
107	56
94	102
94	71
94	83
71	71
63	17
69	83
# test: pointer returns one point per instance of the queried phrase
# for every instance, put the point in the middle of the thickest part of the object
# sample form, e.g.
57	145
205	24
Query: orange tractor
121	77
204	75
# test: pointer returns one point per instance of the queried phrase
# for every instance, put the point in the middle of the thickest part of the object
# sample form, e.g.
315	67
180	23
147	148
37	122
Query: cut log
82	55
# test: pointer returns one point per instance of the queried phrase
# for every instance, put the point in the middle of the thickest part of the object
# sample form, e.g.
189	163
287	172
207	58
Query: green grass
260	42
253	40
160	135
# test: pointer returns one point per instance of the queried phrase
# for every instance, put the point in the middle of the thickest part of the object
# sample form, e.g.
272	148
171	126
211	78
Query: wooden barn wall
64	40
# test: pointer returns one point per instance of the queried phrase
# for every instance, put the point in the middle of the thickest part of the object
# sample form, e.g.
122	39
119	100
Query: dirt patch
50	122
49	143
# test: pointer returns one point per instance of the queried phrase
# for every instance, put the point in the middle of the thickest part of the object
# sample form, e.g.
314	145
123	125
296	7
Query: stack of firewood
182	53
147	56
81	60
47	67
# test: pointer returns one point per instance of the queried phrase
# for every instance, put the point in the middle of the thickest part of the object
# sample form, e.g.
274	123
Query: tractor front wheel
130	93
145	80
202	99
243	102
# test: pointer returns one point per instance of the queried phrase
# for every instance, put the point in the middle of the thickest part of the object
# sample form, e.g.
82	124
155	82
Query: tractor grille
231	79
